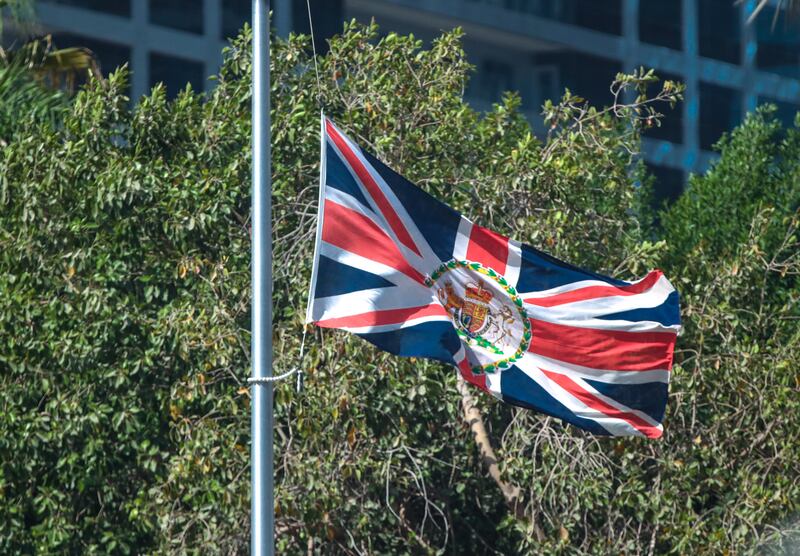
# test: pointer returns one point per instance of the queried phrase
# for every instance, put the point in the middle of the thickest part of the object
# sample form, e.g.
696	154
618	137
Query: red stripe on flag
386	316
354	232
469	376
374	189
597	404
595	292
488	248
612	350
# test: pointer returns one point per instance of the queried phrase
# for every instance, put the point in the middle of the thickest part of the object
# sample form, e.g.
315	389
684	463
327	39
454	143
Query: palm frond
58	68
25	100
791	7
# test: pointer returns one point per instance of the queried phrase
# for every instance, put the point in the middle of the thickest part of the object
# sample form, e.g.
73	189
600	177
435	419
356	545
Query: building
536	47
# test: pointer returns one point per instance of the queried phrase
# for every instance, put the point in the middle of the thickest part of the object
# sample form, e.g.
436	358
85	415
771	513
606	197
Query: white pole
262	518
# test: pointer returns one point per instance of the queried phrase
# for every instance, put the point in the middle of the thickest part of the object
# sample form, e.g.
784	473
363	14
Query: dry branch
474	419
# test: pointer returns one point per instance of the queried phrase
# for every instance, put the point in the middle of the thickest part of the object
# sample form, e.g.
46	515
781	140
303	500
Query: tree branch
474	419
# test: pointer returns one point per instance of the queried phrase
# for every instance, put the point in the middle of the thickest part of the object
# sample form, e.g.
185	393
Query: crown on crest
479	293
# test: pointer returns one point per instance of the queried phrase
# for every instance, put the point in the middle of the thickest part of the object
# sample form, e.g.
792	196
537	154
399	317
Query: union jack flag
416	278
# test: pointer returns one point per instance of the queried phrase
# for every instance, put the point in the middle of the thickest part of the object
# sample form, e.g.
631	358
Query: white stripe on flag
392	327
413	259
614	403
573	286
513	263
429	260
599	306
347	200
462	239
373	267
568	318
493	384
367	301
617	427
601	375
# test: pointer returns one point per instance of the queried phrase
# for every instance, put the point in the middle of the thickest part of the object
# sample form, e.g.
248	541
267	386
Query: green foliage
734	242
124	294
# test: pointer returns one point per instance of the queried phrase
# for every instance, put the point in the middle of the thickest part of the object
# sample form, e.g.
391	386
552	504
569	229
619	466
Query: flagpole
262	516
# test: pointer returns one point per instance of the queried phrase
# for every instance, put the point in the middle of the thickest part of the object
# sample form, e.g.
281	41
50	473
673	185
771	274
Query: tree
124	272
733	238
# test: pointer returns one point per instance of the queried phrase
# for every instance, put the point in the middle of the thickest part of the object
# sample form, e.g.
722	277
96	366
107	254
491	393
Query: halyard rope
297	370
287	374
314	52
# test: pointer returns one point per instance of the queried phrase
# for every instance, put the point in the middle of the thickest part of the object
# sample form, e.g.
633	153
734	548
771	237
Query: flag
416	278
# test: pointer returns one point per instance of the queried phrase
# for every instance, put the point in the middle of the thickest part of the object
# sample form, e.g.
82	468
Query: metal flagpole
262	517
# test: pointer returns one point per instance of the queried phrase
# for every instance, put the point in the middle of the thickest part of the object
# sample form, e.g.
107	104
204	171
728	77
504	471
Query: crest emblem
486	311
472	311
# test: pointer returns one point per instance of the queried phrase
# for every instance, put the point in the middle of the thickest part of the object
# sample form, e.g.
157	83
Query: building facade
536	47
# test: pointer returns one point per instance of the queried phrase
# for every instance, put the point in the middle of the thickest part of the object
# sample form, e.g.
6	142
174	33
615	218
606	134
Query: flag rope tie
287	374
266	379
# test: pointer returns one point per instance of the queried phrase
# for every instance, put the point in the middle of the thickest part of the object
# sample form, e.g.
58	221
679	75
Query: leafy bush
124	294
734	242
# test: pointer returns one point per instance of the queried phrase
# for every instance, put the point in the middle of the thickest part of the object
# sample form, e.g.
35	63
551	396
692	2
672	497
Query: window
117	7
175	73
234	15
667	184
720	30
778	46
671	128
584	75
328	17
660	23
547	85
601	15
183	15
720	111
494	79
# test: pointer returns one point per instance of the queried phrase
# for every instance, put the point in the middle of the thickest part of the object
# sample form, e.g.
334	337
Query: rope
297	370
287	374
268	379
314	52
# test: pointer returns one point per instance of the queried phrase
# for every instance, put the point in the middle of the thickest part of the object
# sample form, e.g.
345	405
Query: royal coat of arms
471	312
486	312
